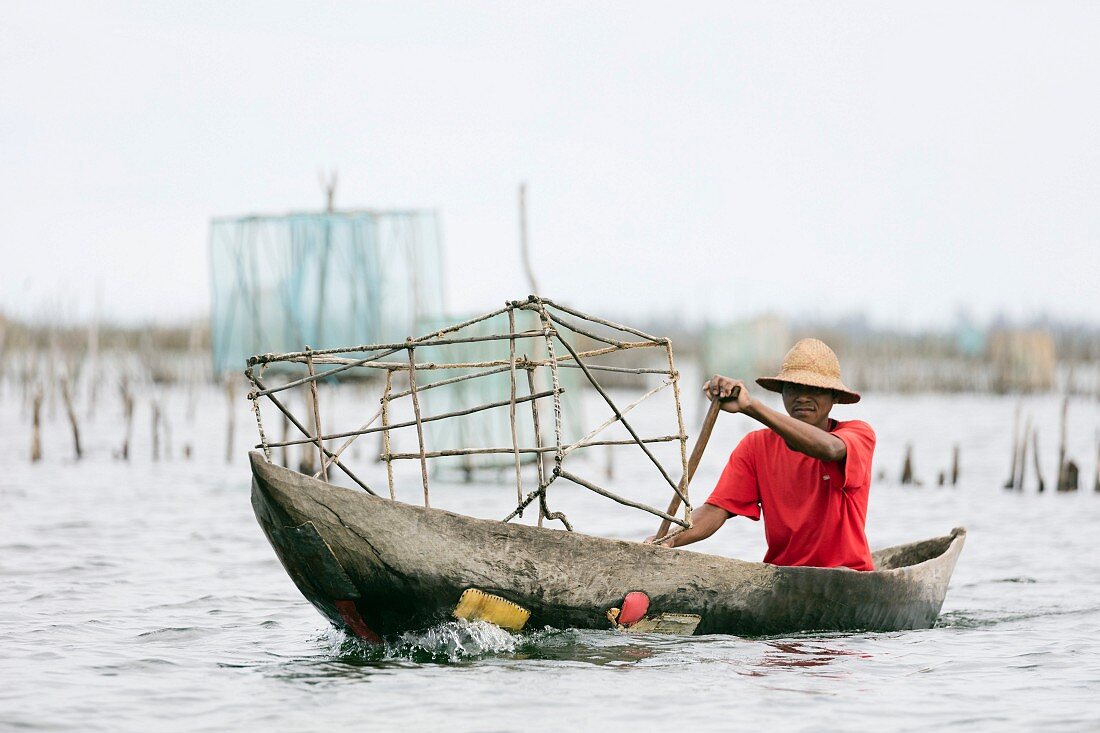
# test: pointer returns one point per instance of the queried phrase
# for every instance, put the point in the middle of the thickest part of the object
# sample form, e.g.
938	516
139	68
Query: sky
908	161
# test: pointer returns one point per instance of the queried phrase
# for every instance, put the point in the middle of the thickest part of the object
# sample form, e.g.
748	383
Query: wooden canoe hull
376	566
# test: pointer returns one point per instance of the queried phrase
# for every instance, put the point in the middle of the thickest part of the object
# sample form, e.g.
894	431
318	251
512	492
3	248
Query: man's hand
705	521
723	388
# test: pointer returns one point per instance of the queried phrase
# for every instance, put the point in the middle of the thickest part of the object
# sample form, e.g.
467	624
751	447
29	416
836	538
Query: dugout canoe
375	567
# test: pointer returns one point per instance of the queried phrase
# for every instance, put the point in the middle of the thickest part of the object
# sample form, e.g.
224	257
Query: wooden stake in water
166	429
66	395
1071	477
955	465
1096	480
1011	482
156	430
1059	470
1021	464
36	429
907	465
128	417
1035	455
1067	469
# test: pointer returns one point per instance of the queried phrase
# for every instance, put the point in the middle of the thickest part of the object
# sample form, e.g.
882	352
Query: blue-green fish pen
323	279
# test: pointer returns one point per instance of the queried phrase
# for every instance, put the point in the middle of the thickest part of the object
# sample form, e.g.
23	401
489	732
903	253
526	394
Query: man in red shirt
809	475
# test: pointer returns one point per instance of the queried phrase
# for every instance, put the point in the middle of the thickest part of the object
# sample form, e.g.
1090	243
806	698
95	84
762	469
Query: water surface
144	593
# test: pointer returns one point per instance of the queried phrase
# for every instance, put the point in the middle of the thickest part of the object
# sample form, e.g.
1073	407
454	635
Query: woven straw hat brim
844	395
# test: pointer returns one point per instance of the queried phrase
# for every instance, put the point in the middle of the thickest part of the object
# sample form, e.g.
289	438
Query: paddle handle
696	455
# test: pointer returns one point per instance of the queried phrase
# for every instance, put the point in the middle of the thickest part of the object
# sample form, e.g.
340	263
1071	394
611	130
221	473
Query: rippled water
142	593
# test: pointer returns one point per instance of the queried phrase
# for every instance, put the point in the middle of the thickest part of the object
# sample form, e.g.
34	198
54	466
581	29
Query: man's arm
705	521
800	436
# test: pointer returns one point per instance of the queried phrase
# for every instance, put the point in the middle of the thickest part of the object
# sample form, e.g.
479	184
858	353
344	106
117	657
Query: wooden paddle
696	455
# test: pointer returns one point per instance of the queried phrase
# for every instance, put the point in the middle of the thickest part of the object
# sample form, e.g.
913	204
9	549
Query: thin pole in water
36	429
1011	482
1035	456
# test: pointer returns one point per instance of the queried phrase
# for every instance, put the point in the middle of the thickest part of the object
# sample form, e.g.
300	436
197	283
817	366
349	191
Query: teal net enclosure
322	279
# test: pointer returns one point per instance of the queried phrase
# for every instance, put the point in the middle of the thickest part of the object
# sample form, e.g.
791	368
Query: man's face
808	404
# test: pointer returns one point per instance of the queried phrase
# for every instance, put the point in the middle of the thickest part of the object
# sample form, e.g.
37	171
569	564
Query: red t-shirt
814	510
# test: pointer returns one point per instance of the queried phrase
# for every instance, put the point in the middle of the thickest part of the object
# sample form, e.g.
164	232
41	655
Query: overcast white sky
906	159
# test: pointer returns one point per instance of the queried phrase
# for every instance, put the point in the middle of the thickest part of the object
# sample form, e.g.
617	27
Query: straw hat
812	363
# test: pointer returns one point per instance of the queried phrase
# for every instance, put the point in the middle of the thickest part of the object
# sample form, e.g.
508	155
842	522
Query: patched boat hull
377	567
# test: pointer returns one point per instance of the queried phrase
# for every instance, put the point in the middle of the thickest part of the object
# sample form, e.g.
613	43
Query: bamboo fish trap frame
562	339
